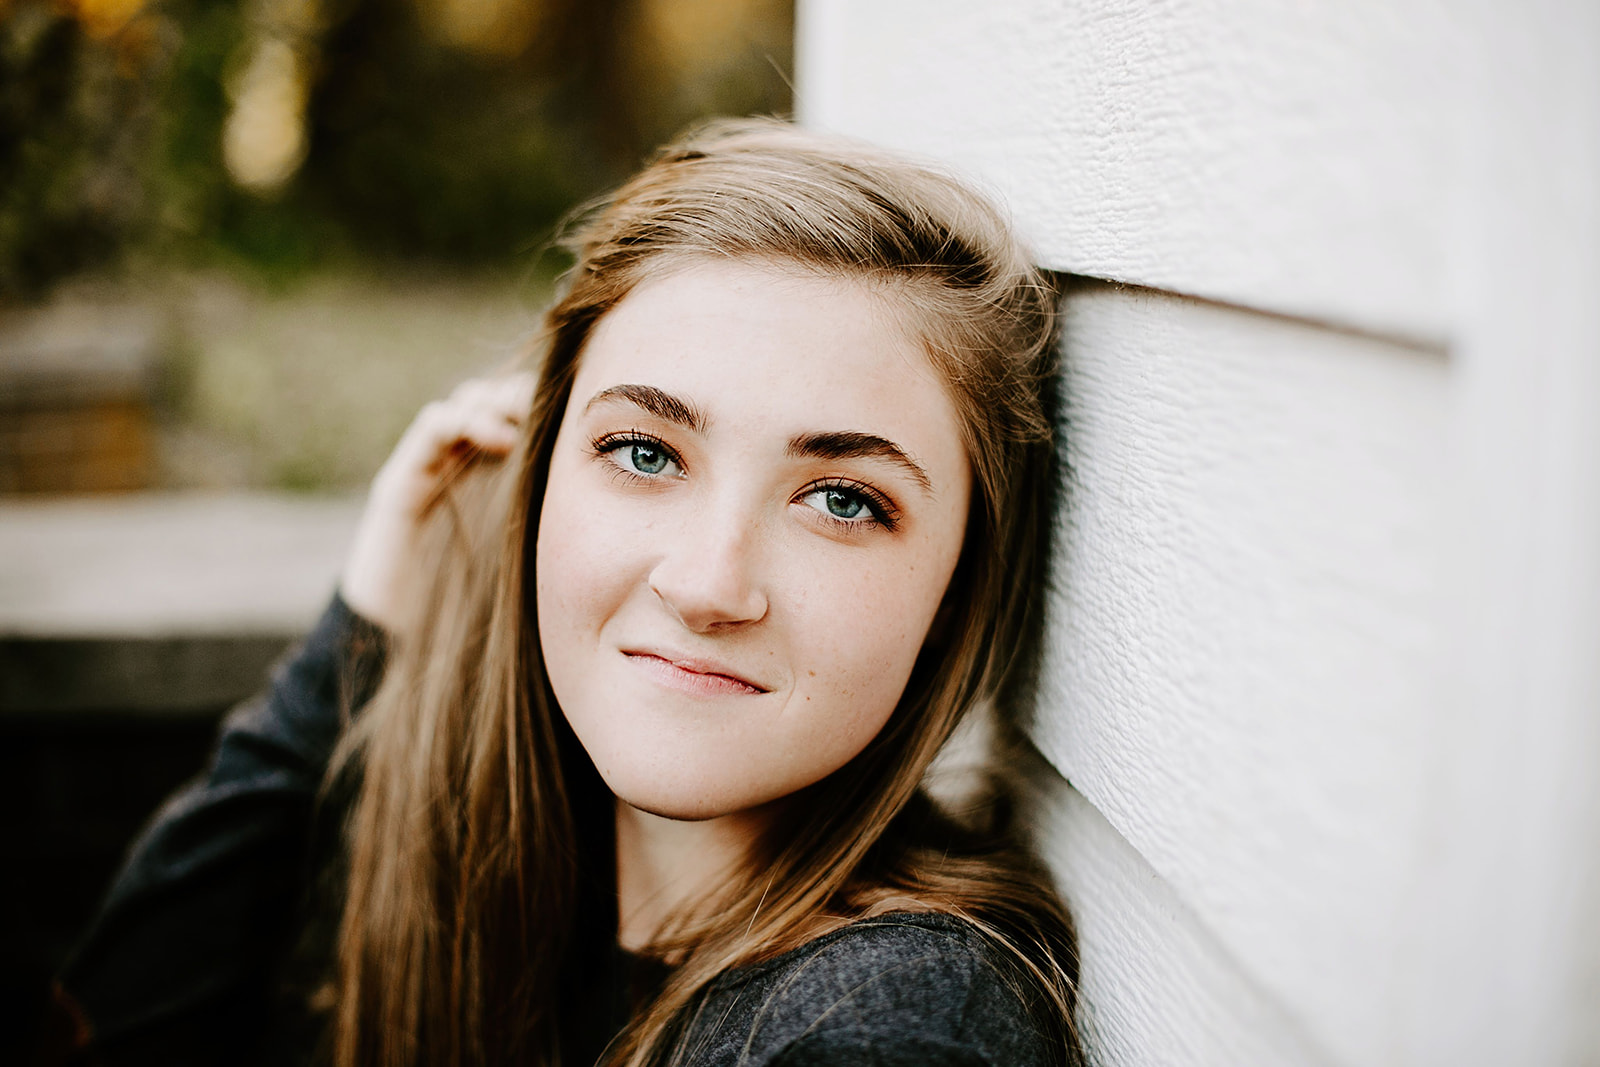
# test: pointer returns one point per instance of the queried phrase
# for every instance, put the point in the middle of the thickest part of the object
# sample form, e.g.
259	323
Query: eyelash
608	443
616	439
884	512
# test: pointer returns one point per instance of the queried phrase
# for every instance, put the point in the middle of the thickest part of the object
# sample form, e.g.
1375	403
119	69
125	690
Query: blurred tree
425	149
289	134
691	58
76	113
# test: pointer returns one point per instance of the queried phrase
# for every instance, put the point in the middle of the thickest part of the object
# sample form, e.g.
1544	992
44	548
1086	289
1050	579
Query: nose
707	577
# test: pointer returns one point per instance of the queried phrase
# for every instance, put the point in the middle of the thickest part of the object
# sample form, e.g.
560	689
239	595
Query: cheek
867	634
582	568
858	634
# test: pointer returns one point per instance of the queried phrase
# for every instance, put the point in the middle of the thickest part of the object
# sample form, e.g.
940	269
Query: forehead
771	346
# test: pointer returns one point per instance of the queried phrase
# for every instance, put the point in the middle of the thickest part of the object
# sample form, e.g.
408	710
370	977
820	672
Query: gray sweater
895	991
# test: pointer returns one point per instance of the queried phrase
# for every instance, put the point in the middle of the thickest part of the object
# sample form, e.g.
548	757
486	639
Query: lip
691	674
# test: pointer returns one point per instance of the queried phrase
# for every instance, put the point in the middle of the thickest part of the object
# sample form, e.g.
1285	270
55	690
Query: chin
684	799
672	808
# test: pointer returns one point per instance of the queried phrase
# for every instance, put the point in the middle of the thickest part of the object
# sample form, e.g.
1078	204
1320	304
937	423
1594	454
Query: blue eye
842	505
644	457
648	458
849	505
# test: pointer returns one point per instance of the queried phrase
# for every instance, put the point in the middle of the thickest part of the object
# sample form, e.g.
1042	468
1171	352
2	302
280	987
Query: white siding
1156	985
1242	670
1293	156
1322	662
1510	906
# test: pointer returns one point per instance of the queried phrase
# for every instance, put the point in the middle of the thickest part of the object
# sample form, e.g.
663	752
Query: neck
666	866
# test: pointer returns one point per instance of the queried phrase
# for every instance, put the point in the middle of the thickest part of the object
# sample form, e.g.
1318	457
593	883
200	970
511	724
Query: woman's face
756	501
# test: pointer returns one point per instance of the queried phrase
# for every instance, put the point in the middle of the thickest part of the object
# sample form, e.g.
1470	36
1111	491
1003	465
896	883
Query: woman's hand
479	420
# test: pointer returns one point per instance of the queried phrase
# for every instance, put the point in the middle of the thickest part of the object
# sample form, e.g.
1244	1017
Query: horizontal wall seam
1432	346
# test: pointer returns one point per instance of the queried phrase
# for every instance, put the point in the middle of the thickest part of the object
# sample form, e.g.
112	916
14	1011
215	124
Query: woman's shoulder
902	988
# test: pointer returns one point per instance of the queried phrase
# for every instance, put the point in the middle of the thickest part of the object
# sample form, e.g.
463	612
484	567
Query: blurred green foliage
71	133
427	138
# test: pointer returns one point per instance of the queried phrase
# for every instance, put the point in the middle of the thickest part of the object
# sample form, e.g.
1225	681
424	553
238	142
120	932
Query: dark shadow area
74	792
94	736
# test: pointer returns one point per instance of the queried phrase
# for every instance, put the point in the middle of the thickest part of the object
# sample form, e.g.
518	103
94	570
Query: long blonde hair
480	848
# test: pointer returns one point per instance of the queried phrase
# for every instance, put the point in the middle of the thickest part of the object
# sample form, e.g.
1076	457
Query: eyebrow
827	444
852	445
658	402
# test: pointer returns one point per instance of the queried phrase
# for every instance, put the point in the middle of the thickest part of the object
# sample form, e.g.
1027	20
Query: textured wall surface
1283	155
1242	657
1320	654
1156	986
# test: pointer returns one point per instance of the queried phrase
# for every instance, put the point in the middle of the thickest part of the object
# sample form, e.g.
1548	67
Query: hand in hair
479	421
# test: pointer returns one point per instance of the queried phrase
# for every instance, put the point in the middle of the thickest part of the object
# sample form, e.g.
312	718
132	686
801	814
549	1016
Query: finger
520	388
453	429
515	398
481	415
510	397
434	434
489	431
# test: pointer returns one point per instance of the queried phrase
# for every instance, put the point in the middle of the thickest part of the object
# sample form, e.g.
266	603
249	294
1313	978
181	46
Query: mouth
694	676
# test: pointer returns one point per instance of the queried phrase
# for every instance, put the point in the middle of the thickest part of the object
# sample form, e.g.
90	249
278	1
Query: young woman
674	634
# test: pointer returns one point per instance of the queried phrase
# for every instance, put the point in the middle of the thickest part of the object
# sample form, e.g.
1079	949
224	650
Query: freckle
812	673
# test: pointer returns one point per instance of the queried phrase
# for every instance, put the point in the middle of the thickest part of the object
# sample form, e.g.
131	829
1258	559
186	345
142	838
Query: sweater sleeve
177	965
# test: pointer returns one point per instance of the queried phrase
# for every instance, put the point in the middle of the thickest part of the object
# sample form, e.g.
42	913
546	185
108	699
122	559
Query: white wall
1324	637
